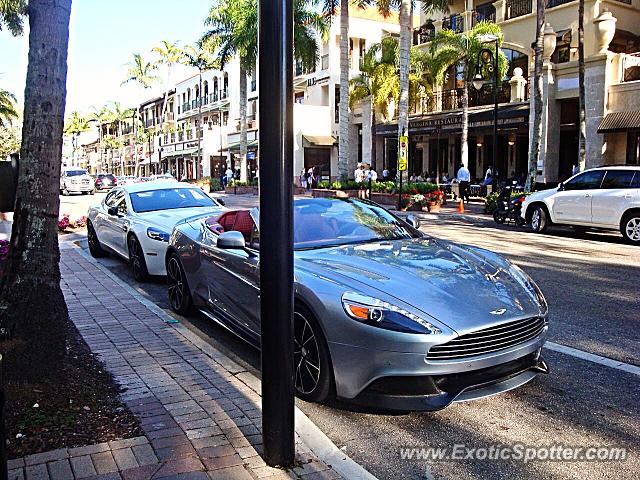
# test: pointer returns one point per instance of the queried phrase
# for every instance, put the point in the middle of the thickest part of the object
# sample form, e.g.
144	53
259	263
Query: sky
104	35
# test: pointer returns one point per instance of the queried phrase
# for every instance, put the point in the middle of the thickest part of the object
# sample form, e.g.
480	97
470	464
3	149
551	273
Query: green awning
318	141
235	146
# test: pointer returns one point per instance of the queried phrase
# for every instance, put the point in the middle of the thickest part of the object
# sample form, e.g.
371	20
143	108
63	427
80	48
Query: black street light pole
275	63
478	81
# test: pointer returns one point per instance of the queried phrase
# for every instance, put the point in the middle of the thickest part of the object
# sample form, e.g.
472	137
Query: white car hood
541	195
167	219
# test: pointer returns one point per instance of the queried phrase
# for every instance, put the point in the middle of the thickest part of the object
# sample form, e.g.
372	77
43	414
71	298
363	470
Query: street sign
403	153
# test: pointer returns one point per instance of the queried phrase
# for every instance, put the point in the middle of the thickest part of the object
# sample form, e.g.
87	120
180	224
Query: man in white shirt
358	174
464	176
228	174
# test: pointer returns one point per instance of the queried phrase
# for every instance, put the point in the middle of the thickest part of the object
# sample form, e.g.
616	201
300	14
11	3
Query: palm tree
169	55
8	111
33	312
139	71
379	77
534	151
101	116
343	135
467	46
200	58
582	123
76	124
234	31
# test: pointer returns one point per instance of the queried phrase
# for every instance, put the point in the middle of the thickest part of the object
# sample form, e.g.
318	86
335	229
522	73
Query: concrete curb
321	446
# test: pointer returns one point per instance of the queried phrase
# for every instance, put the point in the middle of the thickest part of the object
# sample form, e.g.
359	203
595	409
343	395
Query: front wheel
136	259
539	219
312	364
95	249
177	287
498	217
630	228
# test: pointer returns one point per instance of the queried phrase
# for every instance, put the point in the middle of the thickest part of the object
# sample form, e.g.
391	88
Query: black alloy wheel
95	249
136	259
312	368
177	288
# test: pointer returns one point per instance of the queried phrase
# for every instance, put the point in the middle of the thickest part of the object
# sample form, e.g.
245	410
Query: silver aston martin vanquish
384	315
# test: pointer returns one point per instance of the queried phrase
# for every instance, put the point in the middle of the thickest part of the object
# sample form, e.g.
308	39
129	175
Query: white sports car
135	221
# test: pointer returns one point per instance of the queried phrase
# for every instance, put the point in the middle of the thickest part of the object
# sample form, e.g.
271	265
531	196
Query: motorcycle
508	208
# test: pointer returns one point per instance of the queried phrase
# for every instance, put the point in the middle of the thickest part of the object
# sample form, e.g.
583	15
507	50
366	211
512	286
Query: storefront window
633	147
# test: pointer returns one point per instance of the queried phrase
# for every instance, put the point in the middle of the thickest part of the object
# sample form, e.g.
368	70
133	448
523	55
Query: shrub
215	184
383	187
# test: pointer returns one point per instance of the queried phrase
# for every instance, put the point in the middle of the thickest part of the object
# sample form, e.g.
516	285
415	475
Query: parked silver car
384	315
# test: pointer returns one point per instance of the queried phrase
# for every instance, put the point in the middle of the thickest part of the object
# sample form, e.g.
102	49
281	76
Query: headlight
155	234
378	313
530	285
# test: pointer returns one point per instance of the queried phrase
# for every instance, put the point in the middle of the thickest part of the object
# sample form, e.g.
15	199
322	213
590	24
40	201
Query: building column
597	78
550	143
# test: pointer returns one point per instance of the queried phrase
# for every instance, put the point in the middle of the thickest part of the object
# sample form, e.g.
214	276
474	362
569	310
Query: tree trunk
405	46
374	162
534	151
464	139
536	91
343	140
33	312
200	133
243	123
582	125
136	158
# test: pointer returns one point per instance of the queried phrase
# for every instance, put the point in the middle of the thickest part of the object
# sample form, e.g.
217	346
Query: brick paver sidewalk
201	417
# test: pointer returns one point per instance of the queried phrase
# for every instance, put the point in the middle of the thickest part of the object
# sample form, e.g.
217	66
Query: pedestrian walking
228	175
303	179
464	176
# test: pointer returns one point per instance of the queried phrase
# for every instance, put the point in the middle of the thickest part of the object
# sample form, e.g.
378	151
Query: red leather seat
243	223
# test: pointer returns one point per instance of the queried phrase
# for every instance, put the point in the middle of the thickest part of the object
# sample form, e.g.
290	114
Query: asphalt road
591	282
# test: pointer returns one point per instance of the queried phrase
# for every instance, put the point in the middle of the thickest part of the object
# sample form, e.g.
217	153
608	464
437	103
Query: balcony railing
452	99
517	8
453	22
631	67
325	61
484	14
484	96
557	3
186	107
424	34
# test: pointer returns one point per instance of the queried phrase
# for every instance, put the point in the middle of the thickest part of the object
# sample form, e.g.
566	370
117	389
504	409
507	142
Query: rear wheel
312	364
177	288
499	217
630	228
539	219
136	259
95	249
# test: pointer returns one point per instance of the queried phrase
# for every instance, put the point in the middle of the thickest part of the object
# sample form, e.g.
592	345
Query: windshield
170	198
321	222
75	173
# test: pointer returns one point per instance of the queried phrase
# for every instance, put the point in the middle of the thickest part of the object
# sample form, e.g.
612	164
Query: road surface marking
591	357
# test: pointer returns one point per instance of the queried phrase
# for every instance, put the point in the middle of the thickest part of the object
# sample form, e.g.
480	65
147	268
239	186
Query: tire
313	373
539	219
177	287
136	260
630	227
95	249
498	218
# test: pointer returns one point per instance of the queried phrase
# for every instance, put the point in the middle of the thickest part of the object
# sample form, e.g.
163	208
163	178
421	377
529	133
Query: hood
540	195
457	285
167	219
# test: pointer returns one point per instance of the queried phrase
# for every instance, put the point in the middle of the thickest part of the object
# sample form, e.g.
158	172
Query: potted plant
434	200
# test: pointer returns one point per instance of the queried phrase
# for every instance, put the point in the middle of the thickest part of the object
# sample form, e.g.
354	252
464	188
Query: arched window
188	95
205	88
215	88
225	85
516	59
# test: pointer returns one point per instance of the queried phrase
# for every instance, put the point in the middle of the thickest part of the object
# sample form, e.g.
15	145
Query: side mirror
220	201
561	186
113	211
232	240
413	221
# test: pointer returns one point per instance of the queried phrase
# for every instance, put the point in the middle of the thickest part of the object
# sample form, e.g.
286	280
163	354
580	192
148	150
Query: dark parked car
105	181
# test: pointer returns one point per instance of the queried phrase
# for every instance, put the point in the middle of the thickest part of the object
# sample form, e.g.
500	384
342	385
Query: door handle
627	195
587	194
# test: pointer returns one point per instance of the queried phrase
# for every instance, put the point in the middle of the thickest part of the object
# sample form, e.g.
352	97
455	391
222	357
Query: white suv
604	197
76	180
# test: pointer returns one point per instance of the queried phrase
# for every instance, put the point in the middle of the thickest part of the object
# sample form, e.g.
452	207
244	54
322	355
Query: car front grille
488	340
